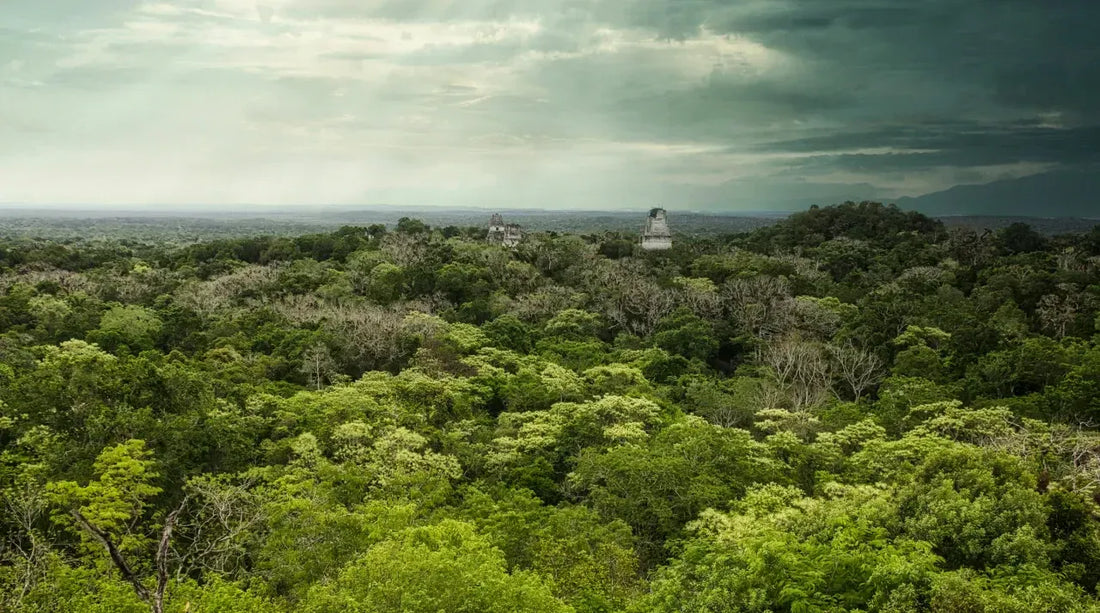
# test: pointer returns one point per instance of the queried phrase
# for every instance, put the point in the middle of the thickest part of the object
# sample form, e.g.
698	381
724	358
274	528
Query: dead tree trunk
155	599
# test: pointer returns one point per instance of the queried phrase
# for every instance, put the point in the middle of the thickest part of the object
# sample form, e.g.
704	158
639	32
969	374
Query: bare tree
1093	264
405	249
224	514
200	298
300	308
372	335
631	300
638	309
1070	259
804	268
800	369
761	306
770	395
856	369
1079	448
155	599
67	280
1069	454
318	365
1057	312
922	280
368	334
207	298
24	550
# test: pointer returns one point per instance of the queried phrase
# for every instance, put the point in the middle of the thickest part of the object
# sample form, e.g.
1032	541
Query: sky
691	104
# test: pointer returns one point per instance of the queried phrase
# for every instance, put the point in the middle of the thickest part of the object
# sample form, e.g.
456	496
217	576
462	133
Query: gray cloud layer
751	104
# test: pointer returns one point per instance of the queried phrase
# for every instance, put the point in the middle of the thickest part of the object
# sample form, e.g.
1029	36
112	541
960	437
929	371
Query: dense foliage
853	410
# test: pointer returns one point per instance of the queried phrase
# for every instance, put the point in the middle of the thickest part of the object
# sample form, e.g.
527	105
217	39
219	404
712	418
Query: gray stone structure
656	236
500	233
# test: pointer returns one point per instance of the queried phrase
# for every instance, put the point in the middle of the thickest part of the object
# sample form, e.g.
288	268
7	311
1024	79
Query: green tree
133	326
685	334
659	485
447	566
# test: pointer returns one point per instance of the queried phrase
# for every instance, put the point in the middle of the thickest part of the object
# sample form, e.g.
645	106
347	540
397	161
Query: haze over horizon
593	104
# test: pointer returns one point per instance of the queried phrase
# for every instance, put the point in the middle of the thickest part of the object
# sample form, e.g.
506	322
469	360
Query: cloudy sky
704	104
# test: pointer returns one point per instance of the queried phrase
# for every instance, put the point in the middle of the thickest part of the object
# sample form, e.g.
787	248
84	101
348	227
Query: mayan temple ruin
656	235
500	233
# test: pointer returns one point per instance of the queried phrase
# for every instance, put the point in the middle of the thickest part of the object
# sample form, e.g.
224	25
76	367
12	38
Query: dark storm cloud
723	109
958	144
1070	85
938	66
943	84
1041	56
1029	52
719	101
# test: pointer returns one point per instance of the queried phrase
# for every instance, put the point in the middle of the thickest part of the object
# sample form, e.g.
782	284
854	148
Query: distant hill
1054	194
182	226
1044	225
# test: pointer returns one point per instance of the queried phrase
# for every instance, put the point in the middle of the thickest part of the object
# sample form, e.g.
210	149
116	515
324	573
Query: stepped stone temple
656	235
500	233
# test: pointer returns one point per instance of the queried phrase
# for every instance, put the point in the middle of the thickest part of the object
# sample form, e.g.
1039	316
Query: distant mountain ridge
1044	225
1073	193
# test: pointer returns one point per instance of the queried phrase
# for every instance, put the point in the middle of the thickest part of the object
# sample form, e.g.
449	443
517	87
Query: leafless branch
116	557
156	598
